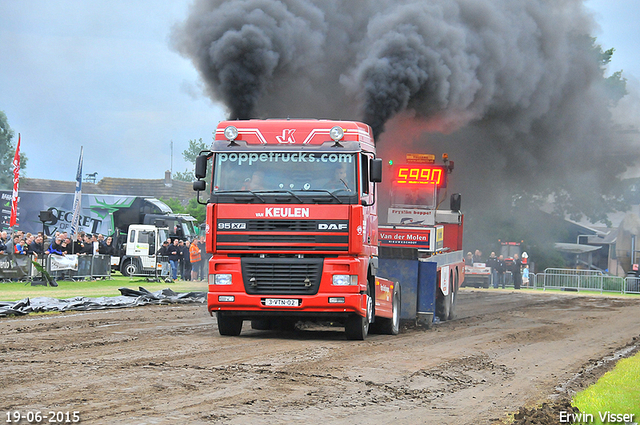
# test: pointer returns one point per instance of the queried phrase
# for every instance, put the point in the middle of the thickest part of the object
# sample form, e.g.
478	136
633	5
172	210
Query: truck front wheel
129	268
228	325
392	326
357	327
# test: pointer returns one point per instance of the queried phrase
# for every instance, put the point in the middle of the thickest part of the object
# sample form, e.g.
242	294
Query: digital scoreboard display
420	175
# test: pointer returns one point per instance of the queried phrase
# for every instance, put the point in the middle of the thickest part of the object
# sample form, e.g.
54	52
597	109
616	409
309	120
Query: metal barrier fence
76	267
583	280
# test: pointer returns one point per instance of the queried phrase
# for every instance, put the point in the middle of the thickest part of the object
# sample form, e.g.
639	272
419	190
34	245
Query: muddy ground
167	364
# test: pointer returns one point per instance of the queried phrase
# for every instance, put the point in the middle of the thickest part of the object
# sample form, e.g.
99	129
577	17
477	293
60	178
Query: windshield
187	229
285	171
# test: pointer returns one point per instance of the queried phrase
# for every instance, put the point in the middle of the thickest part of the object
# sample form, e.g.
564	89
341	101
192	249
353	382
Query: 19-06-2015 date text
37	417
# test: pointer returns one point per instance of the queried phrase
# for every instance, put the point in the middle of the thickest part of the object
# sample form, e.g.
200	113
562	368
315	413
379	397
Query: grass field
14	291
616	392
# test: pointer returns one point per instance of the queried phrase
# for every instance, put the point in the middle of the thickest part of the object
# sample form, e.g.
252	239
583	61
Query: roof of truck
294	131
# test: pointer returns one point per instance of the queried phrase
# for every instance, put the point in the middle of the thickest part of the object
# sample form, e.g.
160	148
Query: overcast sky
101	74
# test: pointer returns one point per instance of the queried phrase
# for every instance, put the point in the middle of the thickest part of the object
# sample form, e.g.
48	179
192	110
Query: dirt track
167	364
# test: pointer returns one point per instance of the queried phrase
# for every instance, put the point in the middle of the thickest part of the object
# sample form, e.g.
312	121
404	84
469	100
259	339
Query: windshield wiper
217	192
320	190
283	190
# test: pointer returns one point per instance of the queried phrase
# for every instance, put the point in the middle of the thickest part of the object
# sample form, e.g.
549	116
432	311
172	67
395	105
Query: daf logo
332	226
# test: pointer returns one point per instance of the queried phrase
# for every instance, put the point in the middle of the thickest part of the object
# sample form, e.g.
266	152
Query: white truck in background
137	256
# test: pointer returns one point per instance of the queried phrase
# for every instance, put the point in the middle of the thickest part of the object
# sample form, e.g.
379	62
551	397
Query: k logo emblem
287	136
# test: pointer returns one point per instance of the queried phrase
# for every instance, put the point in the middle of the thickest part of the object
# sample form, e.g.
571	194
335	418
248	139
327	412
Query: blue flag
78	196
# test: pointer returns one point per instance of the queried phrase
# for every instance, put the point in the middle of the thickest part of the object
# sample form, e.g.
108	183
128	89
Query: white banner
411	217
64	262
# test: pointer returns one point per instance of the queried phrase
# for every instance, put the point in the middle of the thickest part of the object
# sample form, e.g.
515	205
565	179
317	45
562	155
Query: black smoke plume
512	89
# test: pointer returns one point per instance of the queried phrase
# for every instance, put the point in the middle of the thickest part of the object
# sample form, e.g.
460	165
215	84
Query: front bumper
318	306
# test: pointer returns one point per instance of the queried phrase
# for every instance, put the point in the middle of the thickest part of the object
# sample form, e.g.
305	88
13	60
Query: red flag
16	179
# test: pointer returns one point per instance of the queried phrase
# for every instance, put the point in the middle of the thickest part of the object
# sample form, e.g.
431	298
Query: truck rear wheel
454	297
357	327
452	306
261	324
443	307
229	325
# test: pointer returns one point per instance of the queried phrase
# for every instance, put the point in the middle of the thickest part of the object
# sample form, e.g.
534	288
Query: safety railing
583	280
577	280
17	267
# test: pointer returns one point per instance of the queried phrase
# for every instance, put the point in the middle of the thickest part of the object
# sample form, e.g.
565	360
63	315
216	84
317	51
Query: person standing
500	269
195	258
204	269
516	271
108	247
35	247
162	258
174	258
468	261
525	276
491	262
477	256
186	268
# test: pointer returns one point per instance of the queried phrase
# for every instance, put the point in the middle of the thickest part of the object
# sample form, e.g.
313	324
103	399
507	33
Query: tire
452	307
443	307
392	326
261	324
229	325
129	268
284	324
357	327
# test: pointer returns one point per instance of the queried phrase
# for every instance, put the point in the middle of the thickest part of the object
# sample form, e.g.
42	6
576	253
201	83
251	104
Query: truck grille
281	276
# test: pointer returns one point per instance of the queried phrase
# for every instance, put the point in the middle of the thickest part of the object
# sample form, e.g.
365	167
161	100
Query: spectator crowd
186	259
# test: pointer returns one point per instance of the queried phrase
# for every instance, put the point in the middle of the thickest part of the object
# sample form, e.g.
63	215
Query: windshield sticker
251	158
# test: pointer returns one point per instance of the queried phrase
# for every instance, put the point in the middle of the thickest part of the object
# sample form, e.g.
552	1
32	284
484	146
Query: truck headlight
345	279
220	279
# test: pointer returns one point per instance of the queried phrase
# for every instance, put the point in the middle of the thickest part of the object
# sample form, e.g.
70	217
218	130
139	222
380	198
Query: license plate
281	302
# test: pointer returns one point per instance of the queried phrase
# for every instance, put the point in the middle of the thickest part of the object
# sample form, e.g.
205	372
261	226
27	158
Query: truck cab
139	251
292	225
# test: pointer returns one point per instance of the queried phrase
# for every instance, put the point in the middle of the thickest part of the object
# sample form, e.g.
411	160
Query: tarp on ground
129	298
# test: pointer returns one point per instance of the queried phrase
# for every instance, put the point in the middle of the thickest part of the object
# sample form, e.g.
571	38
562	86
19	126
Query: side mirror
199	185
376	170
201	166
455	202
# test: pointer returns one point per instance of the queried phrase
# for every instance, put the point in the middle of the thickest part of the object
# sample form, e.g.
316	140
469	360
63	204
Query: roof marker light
231	133
336	133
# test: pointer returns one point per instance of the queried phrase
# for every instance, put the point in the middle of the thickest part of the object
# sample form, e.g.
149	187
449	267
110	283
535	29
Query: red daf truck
293	228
